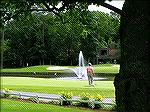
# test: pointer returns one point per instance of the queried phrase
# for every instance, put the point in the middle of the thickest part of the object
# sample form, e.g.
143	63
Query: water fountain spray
80	71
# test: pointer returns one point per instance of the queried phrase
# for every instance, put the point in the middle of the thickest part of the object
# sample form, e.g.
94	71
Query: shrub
98	98
67	95
85	96
54	102
84	100
89	101
64	98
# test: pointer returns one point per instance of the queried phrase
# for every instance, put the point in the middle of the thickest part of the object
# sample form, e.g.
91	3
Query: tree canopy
42	38
12	8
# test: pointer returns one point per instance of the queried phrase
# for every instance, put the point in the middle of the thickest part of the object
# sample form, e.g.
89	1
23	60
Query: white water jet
80	71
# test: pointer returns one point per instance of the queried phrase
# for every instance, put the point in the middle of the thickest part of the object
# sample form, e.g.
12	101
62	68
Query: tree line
41	38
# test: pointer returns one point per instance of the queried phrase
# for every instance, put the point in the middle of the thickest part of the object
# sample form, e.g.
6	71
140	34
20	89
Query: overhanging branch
98	2
54	9
111	8
65	4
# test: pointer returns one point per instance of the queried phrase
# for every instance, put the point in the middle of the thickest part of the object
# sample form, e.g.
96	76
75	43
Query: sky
116	3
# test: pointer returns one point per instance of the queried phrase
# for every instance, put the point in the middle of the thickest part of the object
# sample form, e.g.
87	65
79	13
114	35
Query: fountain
80	71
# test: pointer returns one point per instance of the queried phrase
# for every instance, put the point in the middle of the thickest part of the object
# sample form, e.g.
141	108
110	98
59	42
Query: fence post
19	95
61	100
91	103
37	98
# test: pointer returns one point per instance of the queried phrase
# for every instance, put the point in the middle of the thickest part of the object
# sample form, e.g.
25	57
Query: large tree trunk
132	82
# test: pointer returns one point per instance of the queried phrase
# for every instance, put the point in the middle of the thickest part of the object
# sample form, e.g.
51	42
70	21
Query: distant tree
45	39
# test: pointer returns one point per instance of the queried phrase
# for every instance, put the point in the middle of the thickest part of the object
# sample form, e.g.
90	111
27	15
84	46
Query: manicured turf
18	106
105	88
107	69
28	69
53	86
102	68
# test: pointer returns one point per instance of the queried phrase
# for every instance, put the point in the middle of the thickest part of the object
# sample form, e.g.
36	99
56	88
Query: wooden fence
62	101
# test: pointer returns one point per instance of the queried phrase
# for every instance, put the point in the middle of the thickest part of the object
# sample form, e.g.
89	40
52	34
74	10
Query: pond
60	75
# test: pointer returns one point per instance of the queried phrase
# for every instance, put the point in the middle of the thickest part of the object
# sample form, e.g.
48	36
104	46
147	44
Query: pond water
76	78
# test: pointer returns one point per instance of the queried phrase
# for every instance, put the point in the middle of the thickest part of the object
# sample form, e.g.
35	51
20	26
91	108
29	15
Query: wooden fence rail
91	102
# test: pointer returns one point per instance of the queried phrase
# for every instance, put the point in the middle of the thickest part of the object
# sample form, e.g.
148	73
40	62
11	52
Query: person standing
90	73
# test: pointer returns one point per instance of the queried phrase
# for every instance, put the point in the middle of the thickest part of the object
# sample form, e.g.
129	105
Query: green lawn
28	69
53	86
102	68
18	106
105	88
107	69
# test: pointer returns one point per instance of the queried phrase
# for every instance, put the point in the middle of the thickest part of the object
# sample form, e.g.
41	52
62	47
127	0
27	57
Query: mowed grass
28	69
106	68
18	106
102	68
55	86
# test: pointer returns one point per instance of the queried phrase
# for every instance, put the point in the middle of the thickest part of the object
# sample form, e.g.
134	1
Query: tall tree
132	83
12	10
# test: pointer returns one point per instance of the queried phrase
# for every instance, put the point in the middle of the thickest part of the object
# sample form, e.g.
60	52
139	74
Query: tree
132	82
12	10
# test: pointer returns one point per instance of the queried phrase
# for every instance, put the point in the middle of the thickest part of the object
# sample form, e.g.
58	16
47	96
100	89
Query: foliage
66	95
85	100
85	96
43	38
98	97
88	100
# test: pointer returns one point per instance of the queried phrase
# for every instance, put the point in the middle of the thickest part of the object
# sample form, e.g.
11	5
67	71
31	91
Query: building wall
109	53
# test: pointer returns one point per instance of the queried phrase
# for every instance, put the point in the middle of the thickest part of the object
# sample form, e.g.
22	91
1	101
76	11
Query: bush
98	97
84	100
6	95
65	97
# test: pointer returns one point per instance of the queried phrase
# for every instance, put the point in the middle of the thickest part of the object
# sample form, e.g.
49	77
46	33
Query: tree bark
132	83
